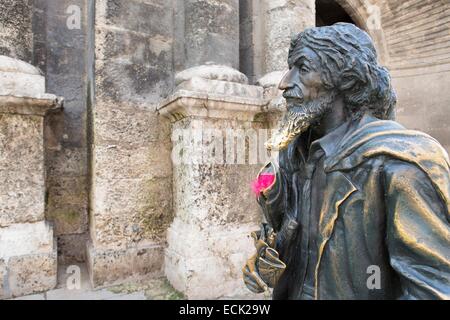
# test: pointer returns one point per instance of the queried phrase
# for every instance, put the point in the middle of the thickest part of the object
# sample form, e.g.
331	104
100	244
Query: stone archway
329	12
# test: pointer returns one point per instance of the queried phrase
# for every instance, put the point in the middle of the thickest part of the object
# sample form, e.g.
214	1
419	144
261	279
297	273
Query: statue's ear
352	78
353	74
348	81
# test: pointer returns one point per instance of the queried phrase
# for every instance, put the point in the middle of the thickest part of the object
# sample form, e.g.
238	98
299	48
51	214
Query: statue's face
302	82
306	97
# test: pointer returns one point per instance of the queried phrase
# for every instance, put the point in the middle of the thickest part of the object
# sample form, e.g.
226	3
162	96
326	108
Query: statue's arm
418	233
279	202
273	200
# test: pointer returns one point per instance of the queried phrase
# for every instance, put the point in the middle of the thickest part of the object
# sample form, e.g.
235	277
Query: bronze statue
355	195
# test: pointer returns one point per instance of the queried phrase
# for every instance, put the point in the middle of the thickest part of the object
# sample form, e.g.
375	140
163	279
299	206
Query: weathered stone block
111	198
72	248
18	78
70	68
22	169
63	54
129	211
32	273
67	204
152	18
130	126
430	108
208	263
140	48
21	198
26	241
151	161
131	169
57	30
211	72
228	185
16	84
68	219
107	267
27	238
133	83
67	162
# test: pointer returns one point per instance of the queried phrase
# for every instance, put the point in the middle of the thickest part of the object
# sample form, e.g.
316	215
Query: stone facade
27	245
97	182
130	146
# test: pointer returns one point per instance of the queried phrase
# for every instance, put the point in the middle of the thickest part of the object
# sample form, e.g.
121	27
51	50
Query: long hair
349	65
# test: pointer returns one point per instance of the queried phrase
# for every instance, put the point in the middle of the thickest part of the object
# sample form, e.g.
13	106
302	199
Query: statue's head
326	64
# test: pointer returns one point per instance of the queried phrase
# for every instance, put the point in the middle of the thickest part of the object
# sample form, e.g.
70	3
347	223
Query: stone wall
60	50
131	198
417	36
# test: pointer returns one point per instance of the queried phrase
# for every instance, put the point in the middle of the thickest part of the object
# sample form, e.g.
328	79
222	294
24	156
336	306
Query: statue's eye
304	69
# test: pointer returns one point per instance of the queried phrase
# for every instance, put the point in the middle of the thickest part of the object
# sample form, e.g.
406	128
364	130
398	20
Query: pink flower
261	183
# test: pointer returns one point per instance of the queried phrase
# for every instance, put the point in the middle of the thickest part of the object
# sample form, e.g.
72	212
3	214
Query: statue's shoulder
389	138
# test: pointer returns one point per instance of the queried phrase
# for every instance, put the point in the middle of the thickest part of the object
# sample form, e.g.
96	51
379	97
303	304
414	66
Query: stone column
207	40
208	241
27	247
283	19
215	210
210	32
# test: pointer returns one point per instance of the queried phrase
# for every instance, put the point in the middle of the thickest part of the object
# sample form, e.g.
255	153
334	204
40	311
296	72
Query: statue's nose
287	82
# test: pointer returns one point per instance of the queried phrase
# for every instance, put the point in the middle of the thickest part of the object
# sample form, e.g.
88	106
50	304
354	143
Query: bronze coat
386	204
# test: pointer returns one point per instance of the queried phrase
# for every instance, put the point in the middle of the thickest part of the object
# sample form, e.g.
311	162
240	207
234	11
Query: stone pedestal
208	241
27	247
215	210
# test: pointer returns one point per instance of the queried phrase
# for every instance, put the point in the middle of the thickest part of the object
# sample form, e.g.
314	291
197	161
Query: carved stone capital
214	99
38	106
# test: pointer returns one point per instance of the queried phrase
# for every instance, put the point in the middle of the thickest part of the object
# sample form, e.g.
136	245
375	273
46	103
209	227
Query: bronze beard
298	118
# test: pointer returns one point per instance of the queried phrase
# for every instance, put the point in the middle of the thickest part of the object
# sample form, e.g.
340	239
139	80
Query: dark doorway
329	12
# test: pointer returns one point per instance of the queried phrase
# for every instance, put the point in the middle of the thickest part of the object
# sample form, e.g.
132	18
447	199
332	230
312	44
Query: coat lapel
338	189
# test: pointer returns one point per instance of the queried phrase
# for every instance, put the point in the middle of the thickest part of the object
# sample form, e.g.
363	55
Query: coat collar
330	141
333	141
